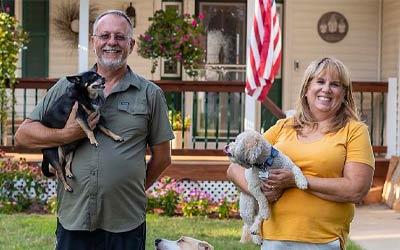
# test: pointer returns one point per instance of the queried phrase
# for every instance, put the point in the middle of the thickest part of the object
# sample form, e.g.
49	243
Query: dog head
90	81
249	149
183	243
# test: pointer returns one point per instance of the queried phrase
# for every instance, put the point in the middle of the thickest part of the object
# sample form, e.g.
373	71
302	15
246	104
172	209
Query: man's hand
72	129
93	119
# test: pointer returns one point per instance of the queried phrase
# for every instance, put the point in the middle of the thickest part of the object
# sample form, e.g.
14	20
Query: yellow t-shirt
299	215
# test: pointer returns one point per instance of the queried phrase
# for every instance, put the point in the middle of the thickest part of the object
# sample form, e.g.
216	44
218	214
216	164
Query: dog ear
205	246
74	79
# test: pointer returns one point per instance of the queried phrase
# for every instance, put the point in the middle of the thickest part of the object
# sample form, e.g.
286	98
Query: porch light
131	13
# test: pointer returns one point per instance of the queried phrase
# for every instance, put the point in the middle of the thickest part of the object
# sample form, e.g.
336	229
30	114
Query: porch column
83	46
392	119
252	107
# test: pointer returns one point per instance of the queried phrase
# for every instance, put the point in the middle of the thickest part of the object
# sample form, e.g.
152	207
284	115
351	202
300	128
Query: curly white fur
250	150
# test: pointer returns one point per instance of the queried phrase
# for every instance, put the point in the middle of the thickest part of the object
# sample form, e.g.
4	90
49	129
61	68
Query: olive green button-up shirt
109	180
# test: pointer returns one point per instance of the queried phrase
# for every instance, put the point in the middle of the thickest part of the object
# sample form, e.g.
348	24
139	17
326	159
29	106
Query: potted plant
177	122
180	125
12	40
174	37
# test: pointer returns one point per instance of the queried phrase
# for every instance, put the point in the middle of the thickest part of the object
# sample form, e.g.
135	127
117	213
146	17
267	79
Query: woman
331	146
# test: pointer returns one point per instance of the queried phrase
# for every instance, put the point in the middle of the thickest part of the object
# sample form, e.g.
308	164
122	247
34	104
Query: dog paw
68	189
302	184
255	230
257	240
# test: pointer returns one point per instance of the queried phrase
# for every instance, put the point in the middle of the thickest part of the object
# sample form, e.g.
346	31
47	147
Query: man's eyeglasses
117	37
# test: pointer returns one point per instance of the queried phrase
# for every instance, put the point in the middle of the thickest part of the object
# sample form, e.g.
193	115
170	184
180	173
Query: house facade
364	34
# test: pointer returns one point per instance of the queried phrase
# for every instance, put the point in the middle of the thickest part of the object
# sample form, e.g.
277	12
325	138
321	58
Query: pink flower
194	23
147	38
201	16
178	56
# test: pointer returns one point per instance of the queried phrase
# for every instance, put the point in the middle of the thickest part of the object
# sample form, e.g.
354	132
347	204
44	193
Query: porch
216	109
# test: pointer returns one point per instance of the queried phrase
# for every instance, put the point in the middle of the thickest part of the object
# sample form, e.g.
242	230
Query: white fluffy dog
183	243
253	152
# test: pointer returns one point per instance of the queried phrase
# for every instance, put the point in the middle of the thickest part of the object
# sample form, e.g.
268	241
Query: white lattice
216	189
51	188
22	187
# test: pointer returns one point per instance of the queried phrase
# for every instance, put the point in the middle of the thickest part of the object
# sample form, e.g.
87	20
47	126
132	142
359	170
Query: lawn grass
36	232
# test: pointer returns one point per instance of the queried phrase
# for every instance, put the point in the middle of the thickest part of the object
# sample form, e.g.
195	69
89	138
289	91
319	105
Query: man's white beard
111	64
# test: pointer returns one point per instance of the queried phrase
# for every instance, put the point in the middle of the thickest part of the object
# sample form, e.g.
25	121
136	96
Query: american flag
265	50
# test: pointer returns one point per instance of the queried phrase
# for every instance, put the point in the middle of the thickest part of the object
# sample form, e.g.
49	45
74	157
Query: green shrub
196	204
20	185
12	39
223	208
51	204
164	196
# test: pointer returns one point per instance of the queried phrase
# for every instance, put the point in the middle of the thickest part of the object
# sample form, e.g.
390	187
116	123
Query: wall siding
390	38
358	50
64	59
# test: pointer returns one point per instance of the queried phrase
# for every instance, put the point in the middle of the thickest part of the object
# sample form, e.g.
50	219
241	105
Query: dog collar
270	159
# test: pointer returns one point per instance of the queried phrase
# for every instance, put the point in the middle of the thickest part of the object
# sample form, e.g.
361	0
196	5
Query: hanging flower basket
174	37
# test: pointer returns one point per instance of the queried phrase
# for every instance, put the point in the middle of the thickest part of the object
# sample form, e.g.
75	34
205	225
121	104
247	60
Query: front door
219	116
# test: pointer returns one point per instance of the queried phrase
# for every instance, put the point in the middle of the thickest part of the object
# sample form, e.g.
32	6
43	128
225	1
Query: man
106	210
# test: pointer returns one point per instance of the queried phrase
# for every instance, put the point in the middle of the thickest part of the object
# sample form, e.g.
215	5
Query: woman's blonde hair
348	110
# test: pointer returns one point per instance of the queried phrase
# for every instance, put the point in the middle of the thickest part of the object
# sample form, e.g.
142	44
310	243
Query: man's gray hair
118	13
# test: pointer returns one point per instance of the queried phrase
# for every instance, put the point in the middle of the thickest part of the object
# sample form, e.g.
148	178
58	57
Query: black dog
85	89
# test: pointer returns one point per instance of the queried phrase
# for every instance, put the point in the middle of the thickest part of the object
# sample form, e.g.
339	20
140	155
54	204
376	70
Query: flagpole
252	117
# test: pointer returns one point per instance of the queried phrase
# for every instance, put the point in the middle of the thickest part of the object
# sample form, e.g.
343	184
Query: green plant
174	37
20	185
51	204
165	196
12	40
196	203
223	208
177	122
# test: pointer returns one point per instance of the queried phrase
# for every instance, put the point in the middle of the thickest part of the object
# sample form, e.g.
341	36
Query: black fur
57	115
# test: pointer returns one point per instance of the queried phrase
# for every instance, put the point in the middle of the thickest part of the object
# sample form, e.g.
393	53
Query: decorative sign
332	27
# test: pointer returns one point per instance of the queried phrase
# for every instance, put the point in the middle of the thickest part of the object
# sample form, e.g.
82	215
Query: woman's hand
278	180
272	193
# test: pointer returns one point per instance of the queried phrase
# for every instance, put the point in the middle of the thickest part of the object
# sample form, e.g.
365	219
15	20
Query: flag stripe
265	50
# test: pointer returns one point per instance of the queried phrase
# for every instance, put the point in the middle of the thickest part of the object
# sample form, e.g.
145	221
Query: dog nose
157	241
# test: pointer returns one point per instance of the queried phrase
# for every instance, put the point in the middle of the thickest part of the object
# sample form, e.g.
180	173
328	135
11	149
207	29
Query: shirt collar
129	79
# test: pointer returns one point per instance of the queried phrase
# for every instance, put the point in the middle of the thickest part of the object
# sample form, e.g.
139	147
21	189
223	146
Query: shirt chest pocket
131	119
